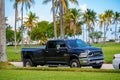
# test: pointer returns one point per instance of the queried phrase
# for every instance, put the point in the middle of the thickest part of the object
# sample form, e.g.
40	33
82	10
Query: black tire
97	66
74	63
29	63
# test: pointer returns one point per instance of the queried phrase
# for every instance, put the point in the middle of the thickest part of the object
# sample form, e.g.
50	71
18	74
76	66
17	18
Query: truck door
62	54
50	52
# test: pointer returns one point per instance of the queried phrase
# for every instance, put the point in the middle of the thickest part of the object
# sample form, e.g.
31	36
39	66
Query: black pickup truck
74	53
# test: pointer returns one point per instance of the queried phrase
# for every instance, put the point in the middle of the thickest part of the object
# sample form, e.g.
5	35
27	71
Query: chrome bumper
89	62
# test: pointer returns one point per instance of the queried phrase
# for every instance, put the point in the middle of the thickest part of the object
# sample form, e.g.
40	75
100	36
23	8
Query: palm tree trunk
22	27
61	20
74	30
86	34
83	33
15	30
104	34
3	56
54	19
88	37
30	37
116	31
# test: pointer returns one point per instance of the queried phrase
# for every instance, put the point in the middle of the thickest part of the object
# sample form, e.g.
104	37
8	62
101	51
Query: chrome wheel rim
74	64
27	64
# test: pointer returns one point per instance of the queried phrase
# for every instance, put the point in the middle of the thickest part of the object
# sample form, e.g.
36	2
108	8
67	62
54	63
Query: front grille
96	53
101	59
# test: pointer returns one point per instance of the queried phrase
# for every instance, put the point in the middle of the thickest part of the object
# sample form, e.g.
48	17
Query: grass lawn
56	75
12	56
109	50
10	72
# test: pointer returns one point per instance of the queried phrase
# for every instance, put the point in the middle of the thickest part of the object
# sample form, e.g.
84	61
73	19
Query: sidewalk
105	66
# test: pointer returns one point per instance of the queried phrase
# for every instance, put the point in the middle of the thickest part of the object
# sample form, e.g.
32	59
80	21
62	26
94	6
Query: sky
43	11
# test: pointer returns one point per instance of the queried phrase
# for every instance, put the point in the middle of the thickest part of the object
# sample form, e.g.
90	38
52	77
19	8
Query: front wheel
74	63
97	66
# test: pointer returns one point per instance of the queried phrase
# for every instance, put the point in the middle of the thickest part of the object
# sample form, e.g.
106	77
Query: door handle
57	51
46	51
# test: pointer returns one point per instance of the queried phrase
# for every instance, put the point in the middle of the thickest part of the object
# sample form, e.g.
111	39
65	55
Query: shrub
111	40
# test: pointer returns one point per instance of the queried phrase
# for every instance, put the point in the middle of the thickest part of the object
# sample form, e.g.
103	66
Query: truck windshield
76	43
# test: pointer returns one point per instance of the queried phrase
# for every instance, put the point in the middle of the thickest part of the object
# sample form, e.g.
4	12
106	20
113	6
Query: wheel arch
28	57
73	57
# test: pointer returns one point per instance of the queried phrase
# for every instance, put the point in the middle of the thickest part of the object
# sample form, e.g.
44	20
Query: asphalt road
105	66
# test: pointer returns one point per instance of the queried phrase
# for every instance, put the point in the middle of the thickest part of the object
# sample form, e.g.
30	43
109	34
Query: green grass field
109	50
56	75
12	56
10	72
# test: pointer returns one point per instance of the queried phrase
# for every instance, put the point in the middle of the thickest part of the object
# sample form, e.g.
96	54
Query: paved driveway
105	66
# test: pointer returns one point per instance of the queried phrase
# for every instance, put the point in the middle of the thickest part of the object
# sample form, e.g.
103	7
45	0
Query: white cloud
46	18
11	20
83	7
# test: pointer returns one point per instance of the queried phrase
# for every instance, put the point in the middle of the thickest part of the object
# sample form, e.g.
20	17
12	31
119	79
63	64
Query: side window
51	44
62	44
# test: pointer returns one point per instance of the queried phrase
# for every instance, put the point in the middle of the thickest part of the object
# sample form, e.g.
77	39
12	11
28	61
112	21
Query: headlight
87	51
84	54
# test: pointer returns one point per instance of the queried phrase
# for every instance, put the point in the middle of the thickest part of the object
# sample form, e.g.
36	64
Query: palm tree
75	16
108	16
90	18
16	17
102	22
116	19
86	20
63	7
54	15
3	56
28	4
31	21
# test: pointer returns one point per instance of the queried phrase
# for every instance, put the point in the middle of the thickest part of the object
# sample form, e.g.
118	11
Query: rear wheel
74	63
97	66
29	63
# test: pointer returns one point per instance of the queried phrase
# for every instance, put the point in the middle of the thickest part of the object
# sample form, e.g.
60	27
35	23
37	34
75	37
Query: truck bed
31	49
